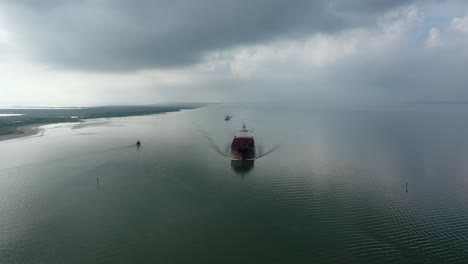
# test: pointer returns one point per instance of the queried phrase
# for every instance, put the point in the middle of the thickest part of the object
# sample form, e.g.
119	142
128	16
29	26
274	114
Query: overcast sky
94	52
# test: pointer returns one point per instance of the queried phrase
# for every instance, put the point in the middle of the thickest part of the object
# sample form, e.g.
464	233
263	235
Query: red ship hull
244	155
243	149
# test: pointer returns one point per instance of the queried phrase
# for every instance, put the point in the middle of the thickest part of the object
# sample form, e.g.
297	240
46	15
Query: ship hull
243	145
243	154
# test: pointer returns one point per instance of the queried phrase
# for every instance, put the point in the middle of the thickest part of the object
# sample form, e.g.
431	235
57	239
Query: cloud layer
113	52
132	35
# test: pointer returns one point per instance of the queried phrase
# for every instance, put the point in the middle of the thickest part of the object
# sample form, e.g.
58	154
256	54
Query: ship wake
213	145
226	150
261	153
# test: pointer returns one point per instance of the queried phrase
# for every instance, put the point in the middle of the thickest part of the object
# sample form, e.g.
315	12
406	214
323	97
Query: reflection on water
242	167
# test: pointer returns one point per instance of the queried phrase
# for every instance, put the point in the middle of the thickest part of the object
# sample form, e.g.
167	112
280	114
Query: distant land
17	122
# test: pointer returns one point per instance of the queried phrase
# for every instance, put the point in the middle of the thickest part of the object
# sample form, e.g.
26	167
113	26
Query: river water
330	185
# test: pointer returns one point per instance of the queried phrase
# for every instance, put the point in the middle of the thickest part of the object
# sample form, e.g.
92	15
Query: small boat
138	144
227	117
243	145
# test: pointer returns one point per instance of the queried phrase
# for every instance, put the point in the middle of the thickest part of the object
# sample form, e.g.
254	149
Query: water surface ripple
328	186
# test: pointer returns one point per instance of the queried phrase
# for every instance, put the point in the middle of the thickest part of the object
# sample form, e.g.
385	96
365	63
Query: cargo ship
243	145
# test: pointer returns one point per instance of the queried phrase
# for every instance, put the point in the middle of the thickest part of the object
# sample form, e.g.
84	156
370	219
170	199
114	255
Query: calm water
329	187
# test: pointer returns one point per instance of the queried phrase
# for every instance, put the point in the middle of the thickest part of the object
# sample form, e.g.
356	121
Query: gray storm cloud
93	52
133	35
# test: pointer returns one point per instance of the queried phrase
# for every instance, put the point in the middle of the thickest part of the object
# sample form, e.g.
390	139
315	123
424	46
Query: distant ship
243	145
227	117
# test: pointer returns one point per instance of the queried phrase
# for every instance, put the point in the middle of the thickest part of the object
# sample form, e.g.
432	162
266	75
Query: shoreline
34	129
24	131
35	119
